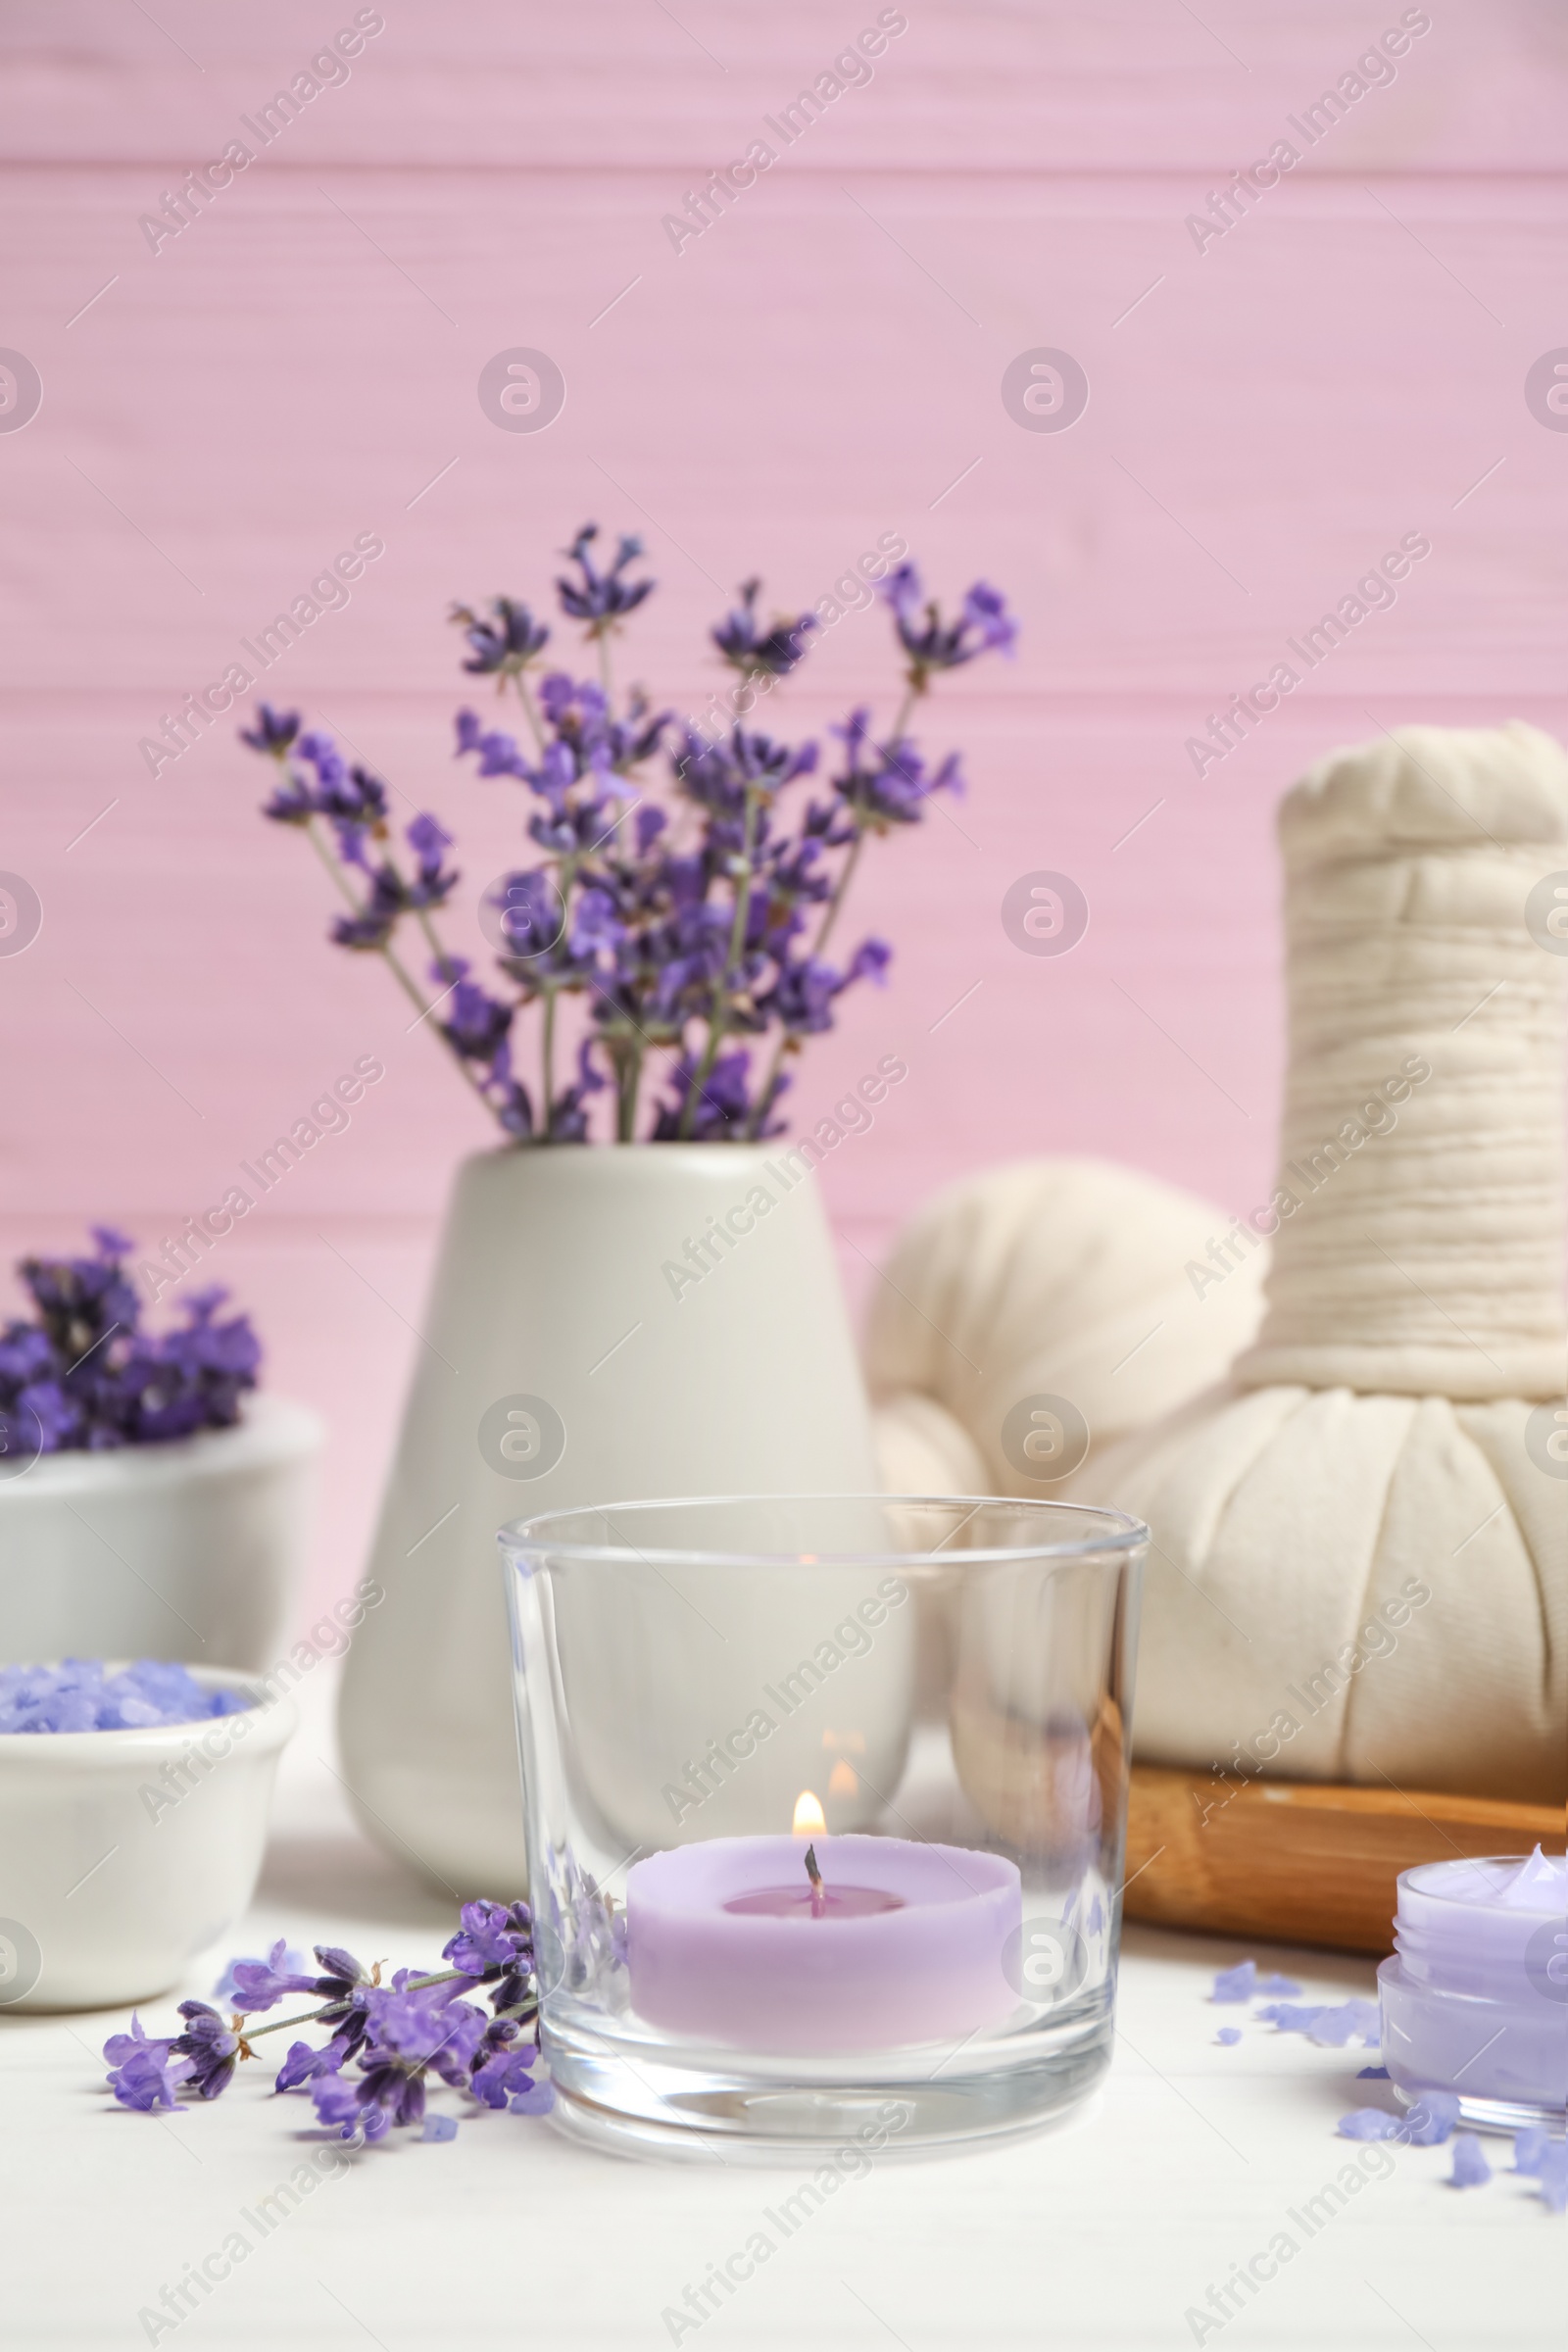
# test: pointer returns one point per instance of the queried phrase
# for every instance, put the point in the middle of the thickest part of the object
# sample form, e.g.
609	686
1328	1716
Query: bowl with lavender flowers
635	1293
154	1502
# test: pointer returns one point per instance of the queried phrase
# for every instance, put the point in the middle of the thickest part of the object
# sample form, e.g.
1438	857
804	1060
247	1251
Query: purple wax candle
729	1941
1474	1999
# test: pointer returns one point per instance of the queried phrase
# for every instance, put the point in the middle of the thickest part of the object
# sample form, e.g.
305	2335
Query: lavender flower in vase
671	939
656	1320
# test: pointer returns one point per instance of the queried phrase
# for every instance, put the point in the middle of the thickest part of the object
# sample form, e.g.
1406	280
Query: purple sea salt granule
1554	2176
1429	2120
1228	2035
83	1695
1369	2122
1530	2149
1237	1983
1330	2025
1470	2166
1425	2125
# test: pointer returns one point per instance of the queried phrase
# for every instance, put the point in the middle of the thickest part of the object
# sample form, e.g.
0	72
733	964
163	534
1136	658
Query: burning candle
861	1943
1475	1998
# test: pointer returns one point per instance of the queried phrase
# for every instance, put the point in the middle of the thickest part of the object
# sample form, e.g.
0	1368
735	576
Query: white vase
573	1354
191	1549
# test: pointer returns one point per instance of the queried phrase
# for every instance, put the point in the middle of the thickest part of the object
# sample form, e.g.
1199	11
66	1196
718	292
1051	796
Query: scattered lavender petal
440	2127
1470	2166
1236	1984
1529	2148
1370	2123
1228	2035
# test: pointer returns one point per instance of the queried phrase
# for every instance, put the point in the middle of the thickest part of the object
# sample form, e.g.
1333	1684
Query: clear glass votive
825	1800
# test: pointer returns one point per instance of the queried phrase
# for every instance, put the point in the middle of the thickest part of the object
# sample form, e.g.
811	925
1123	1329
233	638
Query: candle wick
818	1893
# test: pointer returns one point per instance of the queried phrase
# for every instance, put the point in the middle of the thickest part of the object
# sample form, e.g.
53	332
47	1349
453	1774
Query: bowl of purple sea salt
133	1804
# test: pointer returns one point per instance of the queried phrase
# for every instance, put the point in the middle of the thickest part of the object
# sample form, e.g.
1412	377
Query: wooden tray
1299	1861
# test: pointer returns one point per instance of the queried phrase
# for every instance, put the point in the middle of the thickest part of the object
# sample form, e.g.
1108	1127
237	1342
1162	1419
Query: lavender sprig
669	933
387	2041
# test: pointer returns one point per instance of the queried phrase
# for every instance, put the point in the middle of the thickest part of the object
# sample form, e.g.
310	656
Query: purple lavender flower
506	643
504	2073
683	940
211	2047
746	647
495	1946
372	2074
984	625
475	1023
273	731
305	2063
725	1106
86	1375
721	775
888	784
427	840
808	1011
144	2073
498	751
426	2030
259	1985
346	2105
601	599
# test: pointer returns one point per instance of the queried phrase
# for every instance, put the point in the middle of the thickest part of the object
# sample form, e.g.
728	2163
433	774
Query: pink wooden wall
1268	415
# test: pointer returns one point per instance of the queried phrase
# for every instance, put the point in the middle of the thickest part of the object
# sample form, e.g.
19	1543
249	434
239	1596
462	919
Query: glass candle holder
1475	1998
826	1799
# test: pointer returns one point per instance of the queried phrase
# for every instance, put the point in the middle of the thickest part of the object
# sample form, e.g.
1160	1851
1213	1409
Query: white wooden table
1103	2232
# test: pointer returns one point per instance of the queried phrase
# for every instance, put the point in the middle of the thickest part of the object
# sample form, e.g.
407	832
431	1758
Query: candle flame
809	1815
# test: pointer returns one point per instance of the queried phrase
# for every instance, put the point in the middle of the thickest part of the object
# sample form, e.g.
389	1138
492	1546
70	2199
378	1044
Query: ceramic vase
605	1323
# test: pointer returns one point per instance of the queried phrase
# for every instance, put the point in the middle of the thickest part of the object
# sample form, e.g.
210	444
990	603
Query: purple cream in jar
1474	1999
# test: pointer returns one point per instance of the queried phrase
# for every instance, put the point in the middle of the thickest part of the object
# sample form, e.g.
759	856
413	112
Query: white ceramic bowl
187	1549
124	1855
